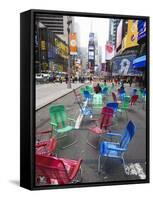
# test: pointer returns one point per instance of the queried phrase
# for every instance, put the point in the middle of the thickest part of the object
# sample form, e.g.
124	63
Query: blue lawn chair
122	94
117	150
113	105
87	95
105	91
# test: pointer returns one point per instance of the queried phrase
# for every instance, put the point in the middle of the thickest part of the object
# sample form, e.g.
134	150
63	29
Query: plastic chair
97	101
105	122
56	171
117	150
60	122
134	99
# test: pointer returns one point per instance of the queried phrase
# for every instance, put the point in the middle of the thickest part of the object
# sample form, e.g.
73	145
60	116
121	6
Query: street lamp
69	21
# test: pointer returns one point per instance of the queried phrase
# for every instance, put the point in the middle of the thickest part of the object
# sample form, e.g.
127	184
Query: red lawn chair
56	171
46	147
115	98
134	98
106	121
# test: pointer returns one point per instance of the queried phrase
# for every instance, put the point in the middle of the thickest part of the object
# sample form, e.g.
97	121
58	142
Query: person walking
130	82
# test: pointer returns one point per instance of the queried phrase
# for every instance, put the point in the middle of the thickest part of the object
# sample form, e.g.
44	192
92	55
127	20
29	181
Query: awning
139	62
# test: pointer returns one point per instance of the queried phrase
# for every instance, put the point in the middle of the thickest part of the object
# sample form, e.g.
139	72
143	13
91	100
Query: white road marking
135	169
80	117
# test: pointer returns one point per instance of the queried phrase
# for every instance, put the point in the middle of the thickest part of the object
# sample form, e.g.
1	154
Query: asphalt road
112	169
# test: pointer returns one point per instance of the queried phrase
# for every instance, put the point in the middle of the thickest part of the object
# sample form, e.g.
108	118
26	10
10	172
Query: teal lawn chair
90	89
125	105
61	124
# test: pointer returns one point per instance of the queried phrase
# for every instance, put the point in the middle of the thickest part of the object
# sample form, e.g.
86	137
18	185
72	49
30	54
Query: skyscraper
113	24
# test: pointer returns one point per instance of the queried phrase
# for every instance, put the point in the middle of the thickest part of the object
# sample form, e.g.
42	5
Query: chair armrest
71	119
53	124
76	170
117	149
114	134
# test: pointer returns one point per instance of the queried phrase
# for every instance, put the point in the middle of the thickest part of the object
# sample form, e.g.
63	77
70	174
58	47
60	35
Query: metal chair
105	122
134	99
57	171
46	147
125	105
117	150
61	123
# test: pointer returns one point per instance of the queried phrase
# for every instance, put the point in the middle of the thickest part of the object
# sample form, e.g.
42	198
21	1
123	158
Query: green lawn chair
125	105
60	122
89	88
97	101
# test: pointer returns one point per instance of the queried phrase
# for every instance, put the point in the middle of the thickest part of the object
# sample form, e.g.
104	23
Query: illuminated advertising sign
141	29
109	51
123	65
131	38
91	55
73	44
91	37
43	45
61	47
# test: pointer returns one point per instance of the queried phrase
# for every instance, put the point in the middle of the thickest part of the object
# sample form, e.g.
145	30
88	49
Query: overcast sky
99	26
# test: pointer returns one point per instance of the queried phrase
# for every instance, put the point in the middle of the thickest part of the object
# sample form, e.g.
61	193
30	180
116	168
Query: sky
99	26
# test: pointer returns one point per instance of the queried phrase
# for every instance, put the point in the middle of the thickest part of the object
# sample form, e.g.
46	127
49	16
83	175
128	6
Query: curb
37	109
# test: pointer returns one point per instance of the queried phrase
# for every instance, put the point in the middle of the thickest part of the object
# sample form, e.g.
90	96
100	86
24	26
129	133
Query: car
42	77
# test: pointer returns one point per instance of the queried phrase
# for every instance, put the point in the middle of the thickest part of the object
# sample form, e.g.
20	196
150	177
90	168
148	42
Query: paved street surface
46	93
112	170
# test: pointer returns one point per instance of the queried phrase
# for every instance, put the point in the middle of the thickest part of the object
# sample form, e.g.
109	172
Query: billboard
91	37
123	65
91	55
109	51
131	38
73	44
61	47
141	29
119	34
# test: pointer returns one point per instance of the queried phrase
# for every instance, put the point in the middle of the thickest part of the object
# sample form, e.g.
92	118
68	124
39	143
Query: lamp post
69	58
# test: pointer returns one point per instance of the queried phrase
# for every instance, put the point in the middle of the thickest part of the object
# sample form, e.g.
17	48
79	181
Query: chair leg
126	115
93	146
99	164
69	145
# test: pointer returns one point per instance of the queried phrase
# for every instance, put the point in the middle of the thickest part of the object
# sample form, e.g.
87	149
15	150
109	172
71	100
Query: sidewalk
47	93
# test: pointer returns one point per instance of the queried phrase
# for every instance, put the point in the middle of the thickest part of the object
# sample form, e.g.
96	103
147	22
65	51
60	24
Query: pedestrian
90	79
130	82
66	78
60	79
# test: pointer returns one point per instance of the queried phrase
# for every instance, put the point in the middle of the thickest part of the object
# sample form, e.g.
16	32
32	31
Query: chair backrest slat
106	117
58	115
128	135
51	168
